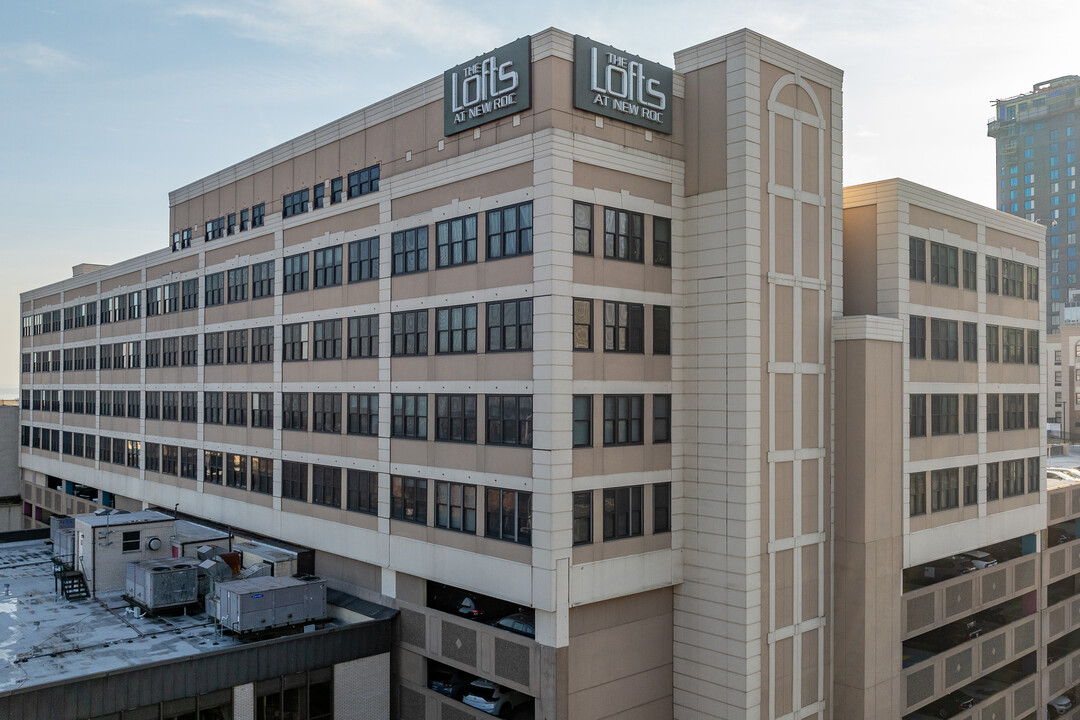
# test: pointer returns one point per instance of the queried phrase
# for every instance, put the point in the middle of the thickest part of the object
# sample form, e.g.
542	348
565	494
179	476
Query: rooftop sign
622	86
488	87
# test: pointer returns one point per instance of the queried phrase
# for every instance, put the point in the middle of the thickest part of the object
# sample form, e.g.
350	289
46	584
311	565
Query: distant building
1036	150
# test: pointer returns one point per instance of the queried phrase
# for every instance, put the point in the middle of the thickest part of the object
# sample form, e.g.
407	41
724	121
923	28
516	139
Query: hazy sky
106	106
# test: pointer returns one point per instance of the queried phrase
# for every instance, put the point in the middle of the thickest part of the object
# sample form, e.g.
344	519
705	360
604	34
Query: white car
980	559
1059	706
492	698
1071	473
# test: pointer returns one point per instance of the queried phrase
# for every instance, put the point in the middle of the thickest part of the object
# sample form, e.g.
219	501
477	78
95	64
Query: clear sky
107	105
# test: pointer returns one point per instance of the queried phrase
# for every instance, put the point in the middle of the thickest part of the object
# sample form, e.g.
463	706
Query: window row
951	267
624	512
222	226
951	487
1009	411
1003	344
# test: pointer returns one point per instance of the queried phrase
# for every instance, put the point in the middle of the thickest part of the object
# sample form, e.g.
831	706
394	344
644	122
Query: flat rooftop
44	638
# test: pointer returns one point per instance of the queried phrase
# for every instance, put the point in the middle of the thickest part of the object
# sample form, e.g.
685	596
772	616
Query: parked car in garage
493	699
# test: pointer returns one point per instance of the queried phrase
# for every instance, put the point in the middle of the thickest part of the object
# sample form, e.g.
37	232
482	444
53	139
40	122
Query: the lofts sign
488	87
621	86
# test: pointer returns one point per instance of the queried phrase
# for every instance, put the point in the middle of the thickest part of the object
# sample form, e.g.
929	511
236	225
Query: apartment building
556	340
943	396
1035	151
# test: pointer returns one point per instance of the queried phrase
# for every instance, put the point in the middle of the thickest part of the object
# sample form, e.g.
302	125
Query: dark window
152	459
363	416
262	410
582	522
189	463
1033	283
244	222
943	340
661	418
364	336
170	298
364	259
190	300
455	329
327	412
662	241
212	467
509	325
319	195
258	213
969	269
262	279
262	475
362	491
327	339
993	412
917	494
238	285
917	259
1033	347
212	406
583	420
294	477
189	406
296	273
213	352
455	506
583	226
262	344
1034	466
992	275
170	459
944	489
971	342
230	224
917	416
1012	411
236	352
971	485
624	235
991	481
455	241
508	515
408	499
992	343
971	413
215	290
1012	478
943	265
294	343
336	190
130	541
582	324
661	316
170	404
1033	411
408	416
236	471
944	411
623	512
134	406
215	229
326	485
328	267
409	251
294	410
236	409
455	418
1012	342
509	231
509	420
364	181
661	507
409	332
623	419
1012	279
189	350
624	327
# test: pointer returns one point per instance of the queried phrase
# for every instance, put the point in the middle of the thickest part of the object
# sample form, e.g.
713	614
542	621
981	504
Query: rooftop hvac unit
244	606
162	584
